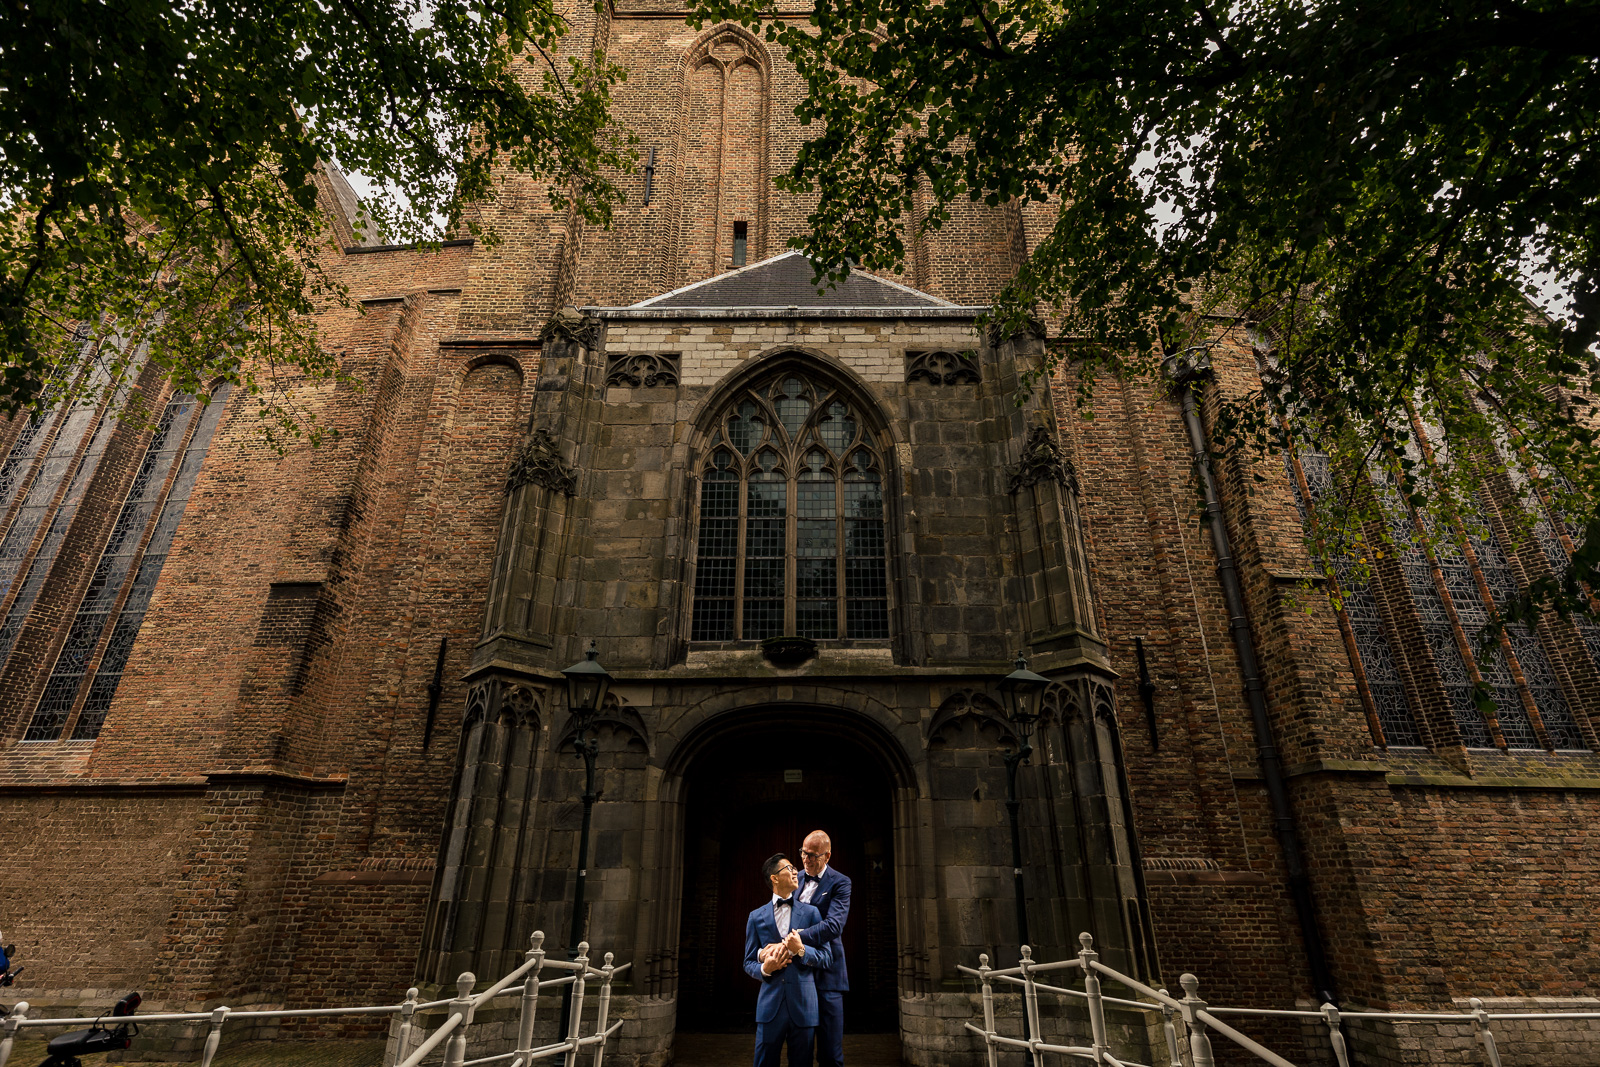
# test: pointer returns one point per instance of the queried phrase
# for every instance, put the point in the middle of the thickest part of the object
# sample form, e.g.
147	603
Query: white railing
1189	1016
452	1033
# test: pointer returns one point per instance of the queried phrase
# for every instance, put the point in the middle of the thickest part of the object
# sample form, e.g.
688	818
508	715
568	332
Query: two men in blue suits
775	956
829	892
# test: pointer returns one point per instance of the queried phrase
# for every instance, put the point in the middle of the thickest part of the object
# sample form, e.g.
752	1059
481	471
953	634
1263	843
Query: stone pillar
1103	873
472	915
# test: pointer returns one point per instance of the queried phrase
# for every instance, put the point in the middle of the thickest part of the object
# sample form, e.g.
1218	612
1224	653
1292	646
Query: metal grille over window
791	537
136	549
1395	716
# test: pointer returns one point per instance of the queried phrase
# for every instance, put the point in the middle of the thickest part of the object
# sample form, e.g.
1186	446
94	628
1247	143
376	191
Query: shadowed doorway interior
757	791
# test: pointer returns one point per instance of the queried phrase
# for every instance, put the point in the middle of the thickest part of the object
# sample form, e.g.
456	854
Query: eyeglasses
808	854
786	869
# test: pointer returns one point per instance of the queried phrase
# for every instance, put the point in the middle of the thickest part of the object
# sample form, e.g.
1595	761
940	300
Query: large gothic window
791	518
89	667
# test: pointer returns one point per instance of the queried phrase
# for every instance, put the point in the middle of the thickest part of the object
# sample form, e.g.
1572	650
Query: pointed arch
723	146
791	487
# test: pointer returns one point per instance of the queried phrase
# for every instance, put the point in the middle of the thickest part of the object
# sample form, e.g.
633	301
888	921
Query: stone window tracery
791	539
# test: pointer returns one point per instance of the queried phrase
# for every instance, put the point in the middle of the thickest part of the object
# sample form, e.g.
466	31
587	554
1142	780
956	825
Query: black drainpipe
1184	375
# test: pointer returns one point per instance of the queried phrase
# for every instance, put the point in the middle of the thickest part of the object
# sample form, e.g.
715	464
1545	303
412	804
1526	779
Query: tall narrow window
792	537
1359	608
741	233
91	662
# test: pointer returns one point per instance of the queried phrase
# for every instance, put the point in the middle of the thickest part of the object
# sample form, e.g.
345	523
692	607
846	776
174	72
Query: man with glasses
829	892
786	1006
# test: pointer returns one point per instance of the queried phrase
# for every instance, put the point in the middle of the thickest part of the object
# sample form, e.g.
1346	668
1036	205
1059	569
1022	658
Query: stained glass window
89	666
792	538
1360	607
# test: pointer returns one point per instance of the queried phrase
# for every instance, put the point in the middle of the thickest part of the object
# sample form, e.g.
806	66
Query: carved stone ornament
502	700
966	703
571	325
998	335
1041	461
539	462
642	371
617	715
942	368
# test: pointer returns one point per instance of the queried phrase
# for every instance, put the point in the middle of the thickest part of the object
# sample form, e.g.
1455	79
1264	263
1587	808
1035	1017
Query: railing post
18	1013
1336	1035
455	1049
214	1038
530	996
1171	1028
605	1009
988	1008
575	1019
1091	986
1031	1003
1480	1023
402	1046
1199	1043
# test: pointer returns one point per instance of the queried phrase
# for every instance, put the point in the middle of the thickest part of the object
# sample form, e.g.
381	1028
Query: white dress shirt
811	886
782	911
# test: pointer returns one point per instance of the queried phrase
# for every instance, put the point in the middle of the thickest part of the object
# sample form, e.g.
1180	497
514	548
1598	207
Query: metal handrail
452	1033
1190	1014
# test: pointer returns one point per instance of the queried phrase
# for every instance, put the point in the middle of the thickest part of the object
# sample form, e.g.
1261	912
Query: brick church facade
290	729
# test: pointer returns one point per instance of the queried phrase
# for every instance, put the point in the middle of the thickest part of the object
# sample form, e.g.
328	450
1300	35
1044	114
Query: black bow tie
785	900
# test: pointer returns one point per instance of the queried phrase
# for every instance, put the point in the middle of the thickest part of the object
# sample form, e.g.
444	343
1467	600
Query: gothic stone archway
756	790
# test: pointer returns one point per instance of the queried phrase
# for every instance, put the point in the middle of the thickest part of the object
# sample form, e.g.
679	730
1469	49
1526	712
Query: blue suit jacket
794	984
832	899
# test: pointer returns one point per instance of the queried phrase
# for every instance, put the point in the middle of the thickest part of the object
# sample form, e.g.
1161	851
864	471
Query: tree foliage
158	162
1364	186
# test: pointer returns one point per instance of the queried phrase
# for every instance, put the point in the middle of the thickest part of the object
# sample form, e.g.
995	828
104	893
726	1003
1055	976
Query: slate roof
784	282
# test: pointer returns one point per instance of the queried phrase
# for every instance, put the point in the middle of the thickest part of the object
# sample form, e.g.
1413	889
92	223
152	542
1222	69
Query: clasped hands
776	956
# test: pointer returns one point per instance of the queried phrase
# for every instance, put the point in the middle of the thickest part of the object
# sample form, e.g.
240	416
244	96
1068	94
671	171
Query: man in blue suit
829	892
774	955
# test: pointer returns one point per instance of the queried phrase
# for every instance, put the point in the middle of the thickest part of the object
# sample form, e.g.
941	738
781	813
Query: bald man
829	892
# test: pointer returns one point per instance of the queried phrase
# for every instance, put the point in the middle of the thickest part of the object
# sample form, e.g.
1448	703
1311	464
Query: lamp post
1021	690
587	685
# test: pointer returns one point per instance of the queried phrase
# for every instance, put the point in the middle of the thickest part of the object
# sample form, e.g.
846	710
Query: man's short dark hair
776	860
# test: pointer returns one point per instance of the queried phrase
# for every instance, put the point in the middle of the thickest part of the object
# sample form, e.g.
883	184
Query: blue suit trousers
830	1028
770	1038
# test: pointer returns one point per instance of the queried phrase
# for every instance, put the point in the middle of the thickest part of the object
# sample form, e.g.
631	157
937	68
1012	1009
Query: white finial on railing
1199	1043
402	1037
1030	1001
575	1019
1480	1023
455	1049
988	1009
1171	1028
530	995
1087	958
1330	1014
18	1013
603	1016
214	1038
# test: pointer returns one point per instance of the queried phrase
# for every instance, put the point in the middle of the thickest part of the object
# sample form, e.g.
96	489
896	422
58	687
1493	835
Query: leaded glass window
90	664
1384	684
792	538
